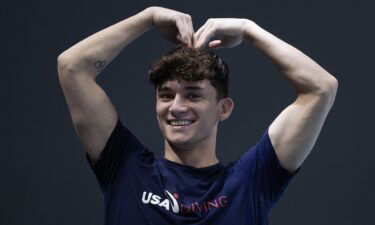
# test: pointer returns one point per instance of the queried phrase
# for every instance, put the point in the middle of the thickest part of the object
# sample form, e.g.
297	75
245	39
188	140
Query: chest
159	194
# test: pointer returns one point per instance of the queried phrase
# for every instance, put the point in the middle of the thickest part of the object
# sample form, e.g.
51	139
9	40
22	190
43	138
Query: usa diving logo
169	202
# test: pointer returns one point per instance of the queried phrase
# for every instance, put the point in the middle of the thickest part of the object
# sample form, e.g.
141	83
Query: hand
227	33
173	25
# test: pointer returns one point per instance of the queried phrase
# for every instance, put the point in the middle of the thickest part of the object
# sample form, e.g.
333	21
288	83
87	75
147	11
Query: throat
194	157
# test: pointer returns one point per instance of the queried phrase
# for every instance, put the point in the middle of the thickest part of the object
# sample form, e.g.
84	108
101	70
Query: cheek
159	111
161	124
160	114
212	113
210	117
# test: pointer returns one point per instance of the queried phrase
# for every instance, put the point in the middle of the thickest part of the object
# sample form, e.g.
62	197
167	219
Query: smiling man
191	98
189	185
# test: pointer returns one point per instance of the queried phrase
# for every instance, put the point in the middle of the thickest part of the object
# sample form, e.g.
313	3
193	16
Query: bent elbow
327	85
333	84
329	89
67	64
64	64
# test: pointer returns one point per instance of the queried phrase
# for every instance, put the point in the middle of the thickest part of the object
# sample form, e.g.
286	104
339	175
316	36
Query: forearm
96	51
304	74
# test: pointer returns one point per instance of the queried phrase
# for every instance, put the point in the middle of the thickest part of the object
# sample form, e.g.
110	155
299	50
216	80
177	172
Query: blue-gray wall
45	179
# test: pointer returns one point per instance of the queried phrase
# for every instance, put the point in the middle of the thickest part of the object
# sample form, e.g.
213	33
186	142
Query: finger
189	39
179	39
199	32
181	26
205	36
191	31
215	44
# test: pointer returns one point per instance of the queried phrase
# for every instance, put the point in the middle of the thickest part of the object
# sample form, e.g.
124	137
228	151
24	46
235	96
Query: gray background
44	176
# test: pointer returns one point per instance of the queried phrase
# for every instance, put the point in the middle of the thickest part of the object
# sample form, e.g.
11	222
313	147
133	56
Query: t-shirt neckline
191	168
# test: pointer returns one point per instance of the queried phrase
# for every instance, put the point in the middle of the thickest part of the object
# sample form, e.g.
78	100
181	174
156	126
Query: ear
226	108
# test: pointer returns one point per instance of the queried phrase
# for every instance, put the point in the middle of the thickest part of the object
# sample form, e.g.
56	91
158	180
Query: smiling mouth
177	123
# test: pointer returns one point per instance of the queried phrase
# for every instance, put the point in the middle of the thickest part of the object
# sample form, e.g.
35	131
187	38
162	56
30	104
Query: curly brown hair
191	64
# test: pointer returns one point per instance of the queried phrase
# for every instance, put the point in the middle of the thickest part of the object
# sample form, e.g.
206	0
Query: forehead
176	85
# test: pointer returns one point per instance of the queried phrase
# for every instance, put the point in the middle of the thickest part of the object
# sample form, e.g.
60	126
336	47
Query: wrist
152	13
148	15
249	30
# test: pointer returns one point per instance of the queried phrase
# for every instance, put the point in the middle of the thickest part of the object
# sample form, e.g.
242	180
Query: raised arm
294	132
93	115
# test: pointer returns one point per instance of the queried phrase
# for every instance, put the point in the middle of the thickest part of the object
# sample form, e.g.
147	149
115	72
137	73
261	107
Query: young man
189	185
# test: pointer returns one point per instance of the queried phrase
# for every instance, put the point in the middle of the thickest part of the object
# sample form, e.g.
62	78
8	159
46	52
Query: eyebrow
185	88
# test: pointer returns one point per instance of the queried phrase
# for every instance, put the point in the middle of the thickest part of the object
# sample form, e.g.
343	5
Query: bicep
93	115
294	132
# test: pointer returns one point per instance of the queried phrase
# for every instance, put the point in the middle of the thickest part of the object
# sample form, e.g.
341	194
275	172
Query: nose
178	105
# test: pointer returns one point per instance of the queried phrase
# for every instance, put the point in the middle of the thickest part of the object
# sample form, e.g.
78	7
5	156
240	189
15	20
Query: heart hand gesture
226	32
173	25
178	28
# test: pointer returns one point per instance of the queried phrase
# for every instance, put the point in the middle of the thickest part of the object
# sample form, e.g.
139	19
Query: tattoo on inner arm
100	65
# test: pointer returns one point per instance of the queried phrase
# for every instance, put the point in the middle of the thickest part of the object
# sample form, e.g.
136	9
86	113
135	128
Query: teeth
181	122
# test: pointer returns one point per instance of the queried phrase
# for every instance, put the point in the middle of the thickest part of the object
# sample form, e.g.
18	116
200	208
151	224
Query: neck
199	156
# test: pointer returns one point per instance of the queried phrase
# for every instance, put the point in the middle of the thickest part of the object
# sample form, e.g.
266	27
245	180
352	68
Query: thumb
179	39
215	44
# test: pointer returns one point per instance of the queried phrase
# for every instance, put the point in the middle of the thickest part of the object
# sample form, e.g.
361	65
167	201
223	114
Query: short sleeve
265	170
120	147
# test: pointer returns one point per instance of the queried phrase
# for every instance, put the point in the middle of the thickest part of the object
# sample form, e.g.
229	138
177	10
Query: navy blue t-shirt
141	189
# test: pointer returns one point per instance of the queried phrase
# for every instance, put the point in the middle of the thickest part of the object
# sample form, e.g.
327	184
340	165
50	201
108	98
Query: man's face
187	112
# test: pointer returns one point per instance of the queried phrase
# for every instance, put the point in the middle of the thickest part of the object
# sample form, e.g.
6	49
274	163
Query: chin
180	143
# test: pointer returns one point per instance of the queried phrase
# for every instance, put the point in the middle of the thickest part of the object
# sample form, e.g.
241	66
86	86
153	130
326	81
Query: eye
192	96
165	96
